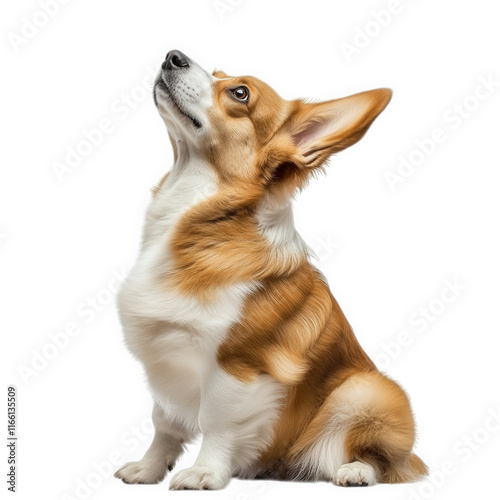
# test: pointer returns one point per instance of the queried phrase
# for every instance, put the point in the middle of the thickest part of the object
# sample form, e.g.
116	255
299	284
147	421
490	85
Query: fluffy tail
411	470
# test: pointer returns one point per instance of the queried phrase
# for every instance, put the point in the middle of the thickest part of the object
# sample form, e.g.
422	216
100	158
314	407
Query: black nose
175	59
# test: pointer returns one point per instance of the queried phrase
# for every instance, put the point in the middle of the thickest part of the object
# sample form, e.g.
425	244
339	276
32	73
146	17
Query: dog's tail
406	472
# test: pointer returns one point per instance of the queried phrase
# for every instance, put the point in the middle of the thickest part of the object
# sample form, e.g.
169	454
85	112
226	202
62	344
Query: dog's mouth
164	87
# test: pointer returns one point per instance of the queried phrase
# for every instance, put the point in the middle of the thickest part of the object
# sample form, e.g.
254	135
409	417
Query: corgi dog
240	337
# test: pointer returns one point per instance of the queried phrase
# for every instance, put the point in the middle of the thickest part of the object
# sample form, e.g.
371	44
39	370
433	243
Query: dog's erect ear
321	129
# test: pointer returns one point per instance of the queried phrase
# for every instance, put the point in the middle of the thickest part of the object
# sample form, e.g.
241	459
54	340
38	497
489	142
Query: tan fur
291	327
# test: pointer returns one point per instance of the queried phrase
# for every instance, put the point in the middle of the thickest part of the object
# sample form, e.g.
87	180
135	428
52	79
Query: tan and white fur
240	338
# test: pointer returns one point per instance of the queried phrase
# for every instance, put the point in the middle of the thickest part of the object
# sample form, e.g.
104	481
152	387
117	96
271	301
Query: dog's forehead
222	77
223	80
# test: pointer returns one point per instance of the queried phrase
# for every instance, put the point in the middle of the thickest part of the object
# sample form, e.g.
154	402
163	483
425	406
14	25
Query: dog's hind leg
363	435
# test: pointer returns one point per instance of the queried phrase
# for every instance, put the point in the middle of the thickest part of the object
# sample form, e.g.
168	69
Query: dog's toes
143	472
355	474
199	478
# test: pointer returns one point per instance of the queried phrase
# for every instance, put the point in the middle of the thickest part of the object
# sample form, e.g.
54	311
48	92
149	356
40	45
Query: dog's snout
175	59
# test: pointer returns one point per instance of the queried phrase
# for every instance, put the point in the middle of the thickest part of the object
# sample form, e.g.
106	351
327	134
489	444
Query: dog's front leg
212	469
222	406
162	454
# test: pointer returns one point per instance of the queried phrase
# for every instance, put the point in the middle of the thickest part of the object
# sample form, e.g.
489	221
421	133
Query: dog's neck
276	222
193	181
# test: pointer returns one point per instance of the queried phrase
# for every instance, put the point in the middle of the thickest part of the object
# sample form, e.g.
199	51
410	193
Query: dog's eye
240	93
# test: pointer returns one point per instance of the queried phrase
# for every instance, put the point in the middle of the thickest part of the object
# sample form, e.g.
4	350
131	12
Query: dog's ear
323	128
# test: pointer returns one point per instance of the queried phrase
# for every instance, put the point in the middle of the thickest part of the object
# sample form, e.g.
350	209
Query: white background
386	253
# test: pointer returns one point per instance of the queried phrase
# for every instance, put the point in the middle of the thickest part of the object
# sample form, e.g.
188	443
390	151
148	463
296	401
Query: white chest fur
145	293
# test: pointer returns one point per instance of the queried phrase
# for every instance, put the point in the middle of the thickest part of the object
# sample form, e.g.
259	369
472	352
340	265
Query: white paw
355	474
199	478
143	472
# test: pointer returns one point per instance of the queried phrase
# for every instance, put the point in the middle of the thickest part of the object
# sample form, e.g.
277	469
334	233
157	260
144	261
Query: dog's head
248	133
